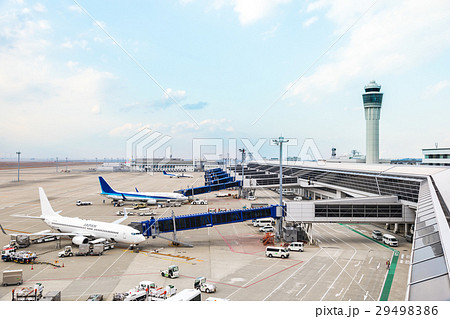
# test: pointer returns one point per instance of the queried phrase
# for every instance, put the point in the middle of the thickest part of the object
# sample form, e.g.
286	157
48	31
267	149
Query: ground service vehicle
28	293
95	297
390	240
21	257
199	202
267	229
7	252
67	252
81	203
263	222
139	205
376	234
187	295
277	252
251	197
296	246
52	296
12	277
201	284
172	272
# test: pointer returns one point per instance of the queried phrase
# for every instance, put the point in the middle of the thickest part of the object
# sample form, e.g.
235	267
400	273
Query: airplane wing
125	216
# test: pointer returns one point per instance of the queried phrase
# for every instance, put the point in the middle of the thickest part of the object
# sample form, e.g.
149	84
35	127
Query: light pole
18	166
56	164
66	165
280	142
242	164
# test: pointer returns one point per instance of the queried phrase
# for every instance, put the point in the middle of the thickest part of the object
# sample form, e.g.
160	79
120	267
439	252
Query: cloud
435	89
387	40
96	109
196	106
166	101
35	88
310	21
250	11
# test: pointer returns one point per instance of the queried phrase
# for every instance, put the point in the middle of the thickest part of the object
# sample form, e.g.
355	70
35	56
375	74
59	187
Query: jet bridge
215	180
154	227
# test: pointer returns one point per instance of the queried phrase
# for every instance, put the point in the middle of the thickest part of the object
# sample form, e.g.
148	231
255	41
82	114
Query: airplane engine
151	201
78	240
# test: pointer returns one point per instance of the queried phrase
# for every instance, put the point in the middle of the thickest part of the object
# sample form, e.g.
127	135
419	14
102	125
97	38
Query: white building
436	156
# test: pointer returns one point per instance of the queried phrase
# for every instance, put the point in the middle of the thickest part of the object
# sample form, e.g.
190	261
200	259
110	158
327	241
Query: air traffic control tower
372	99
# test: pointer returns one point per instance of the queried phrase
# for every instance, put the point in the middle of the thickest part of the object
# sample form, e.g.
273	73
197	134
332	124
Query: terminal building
408	199
436	156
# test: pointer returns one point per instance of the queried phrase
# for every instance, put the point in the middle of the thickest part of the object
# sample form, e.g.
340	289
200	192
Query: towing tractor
83	203
172	272
201	284
67	252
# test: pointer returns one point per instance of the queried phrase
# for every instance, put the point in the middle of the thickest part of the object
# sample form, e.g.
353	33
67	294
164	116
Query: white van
296	246
390	240
277	252
263	222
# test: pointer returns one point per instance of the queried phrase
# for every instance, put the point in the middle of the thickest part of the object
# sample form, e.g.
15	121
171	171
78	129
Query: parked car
277	252
296	246
376	234
199	202
267	229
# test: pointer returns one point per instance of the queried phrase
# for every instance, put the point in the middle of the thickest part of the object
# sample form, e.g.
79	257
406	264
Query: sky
80	79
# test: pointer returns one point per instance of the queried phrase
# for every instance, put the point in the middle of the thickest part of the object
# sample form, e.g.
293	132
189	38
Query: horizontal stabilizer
27	216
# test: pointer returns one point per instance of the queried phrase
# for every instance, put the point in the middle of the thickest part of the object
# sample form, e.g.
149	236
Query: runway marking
360	279
366	295
338	294
343	269
301	290
100	276
370	259
321	268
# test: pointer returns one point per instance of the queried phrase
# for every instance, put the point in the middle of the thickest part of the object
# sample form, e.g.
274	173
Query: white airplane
83	231
177	175
149	198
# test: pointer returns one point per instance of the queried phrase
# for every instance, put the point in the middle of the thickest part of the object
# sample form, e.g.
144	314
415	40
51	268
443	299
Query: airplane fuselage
144	197
96	229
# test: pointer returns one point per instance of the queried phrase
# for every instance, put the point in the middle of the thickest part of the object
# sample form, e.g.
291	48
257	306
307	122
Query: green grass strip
390	276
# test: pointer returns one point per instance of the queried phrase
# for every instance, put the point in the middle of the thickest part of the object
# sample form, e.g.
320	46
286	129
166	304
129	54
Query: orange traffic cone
63	265
31	266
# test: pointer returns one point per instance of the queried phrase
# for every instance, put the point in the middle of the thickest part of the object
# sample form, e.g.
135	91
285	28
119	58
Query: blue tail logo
106	189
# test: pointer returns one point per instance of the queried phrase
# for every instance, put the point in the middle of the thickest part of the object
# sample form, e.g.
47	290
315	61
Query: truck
201	284
172	272
52	296
28	293
22	257
8	251
12	277
187	295
82	203
90	250
146	290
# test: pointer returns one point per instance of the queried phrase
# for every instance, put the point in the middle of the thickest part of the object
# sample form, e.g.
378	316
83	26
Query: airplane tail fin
46	208
164	172
106	189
